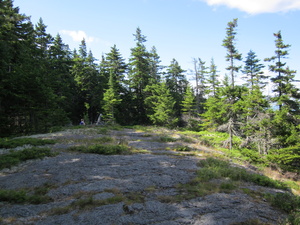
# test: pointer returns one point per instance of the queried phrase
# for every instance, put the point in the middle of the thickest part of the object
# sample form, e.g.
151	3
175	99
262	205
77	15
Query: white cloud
78	36
258	6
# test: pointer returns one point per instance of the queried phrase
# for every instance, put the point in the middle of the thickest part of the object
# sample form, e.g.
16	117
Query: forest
45	85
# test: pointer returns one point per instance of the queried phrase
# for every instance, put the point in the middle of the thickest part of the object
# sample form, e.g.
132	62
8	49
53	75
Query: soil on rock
122	189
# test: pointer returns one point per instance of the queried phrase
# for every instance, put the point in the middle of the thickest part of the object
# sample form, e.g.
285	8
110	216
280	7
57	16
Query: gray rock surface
74	176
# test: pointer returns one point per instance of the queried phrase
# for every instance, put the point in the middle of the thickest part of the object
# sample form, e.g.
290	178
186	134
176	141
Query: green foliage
103	149
15	157
217	139
13	143
284	201
287	158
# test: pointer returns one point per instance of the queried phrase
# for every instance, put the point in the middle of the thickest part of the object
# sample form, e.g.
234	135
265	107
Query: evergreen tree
188	103
285	90
63	84
177	83
27	102
118	68
87	80
200	75
252	70
43	39
155	67
160	105
139	77
111	99
16	44
213	79
232	52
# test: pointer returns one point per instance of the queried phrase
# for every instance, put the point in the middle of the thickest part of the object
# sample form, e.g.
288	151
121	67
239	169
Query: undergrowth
219	176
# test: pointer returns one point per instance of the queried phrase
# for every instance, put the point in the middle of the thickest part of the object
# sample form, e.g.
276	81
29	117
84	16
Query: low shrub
287	158
284	201
167	139
253	156
216	169
102	149
15	157
22	197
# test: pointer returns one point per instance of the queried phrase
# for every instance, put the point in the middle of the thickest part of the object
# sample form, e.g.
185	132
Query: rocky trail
124	189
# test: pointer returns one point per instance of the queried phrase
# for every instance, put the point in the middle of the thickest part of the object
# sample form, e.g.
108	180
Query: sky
179	29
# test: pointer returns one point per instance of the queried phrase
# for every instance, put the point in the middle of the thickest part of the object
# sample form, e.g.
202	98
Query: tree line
44	84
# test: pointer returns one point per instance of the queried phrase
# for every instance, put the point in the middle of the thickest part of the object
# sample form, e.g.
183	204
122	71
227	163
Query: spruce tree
232	53
118	68
160	105
254	75
213	79
286	92
139	77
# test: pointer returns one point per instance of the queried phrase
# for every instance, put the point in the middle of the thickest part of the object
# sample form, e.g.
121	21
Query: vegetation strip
15	157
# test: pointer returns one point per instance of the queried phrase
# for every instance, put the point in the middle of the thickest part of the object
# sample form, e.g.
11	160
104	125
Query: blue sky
180	29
